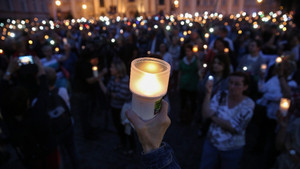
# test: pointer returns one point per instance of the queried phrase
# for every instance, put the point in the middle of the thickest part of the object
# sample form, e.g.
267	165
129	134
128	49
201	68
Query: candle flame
95	68
149	85
278	60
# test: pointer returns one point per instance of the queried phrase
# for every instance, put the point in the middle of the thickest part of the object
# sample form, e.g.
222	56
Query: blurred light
245	68
46	37
84	6
113	40
41	28
259	1
90	34
284	29
13	22
204	65
52	42
226	50
182	23
30	42
189	32
240	32
155	26
205	46
190	24
168	27
206	35
12	35
121	31
20	26
181	39
211	30
1	51
57	3
184	33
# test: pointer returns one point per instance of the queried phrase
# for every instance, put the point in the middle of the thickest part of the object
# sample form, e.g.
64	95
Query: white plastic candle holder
149	78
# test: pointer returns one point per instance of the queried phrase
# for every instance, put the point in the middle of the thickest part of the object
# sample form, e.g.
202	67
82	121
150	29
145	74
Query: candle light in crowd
284	106
205	47
278	60
46	37
204	65
263	68
184	33
195	48
149	78
30	42
245	68
113	40
226	50
181	39
56	49
95	71
206	35
90	34
1	51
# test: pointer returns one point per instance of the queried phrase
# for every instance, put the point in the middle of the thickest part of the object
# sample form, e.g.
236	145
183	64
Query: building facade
24	8
129	8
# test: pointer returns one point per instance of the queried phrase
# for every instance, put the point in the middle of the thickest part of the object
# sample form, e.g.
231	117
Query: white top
238	116
271	95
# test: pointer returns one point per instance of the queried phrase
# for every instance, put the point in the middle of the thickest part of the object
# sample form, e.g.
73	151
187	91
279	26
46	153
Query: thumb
134	118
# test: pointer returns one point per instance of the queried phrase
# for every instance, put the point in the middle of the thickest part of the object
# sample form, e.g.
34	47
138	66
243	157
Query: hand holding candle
95	71
263	68
284	106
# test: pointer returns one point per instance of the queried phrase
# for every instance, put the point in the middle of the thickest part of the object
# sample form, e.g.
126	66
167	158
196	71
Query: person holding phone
230	113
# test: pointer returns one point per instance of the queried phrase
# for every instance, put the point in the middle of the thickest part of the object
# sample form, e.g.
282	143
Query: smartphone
25	60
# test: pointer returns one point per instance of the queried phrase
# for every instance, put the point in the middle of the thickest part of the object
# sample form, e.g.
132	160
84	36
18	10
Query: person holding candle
230	115
118	91
188	79
287	140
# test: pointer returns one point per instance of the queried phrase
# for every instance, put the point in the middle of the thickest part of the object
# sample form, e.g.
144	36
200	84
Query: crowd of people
230	73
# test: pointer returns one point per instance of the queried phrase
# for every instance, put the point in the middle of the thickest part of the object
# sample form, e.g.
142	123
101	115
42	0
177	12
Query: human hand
151	132
281	120
209	86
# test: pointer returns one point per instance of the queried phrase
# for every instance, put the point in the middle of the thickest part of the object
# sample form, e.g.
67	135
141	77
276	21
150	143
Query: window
44	6
34	5
9	5
211	2
101	2
161	2
198	2
204	2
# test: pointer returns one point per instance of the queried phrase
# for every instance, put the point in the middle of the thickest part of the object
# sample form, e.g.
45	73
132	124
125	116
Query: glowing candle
263	68
284	106
245	68
149	78
211	78
195	48
95	71
278	60
204	65
1	51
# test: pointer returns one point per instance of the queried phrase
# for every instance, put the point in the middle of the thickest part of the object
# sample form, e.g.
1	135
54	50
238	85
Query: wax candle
95	71
284	106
